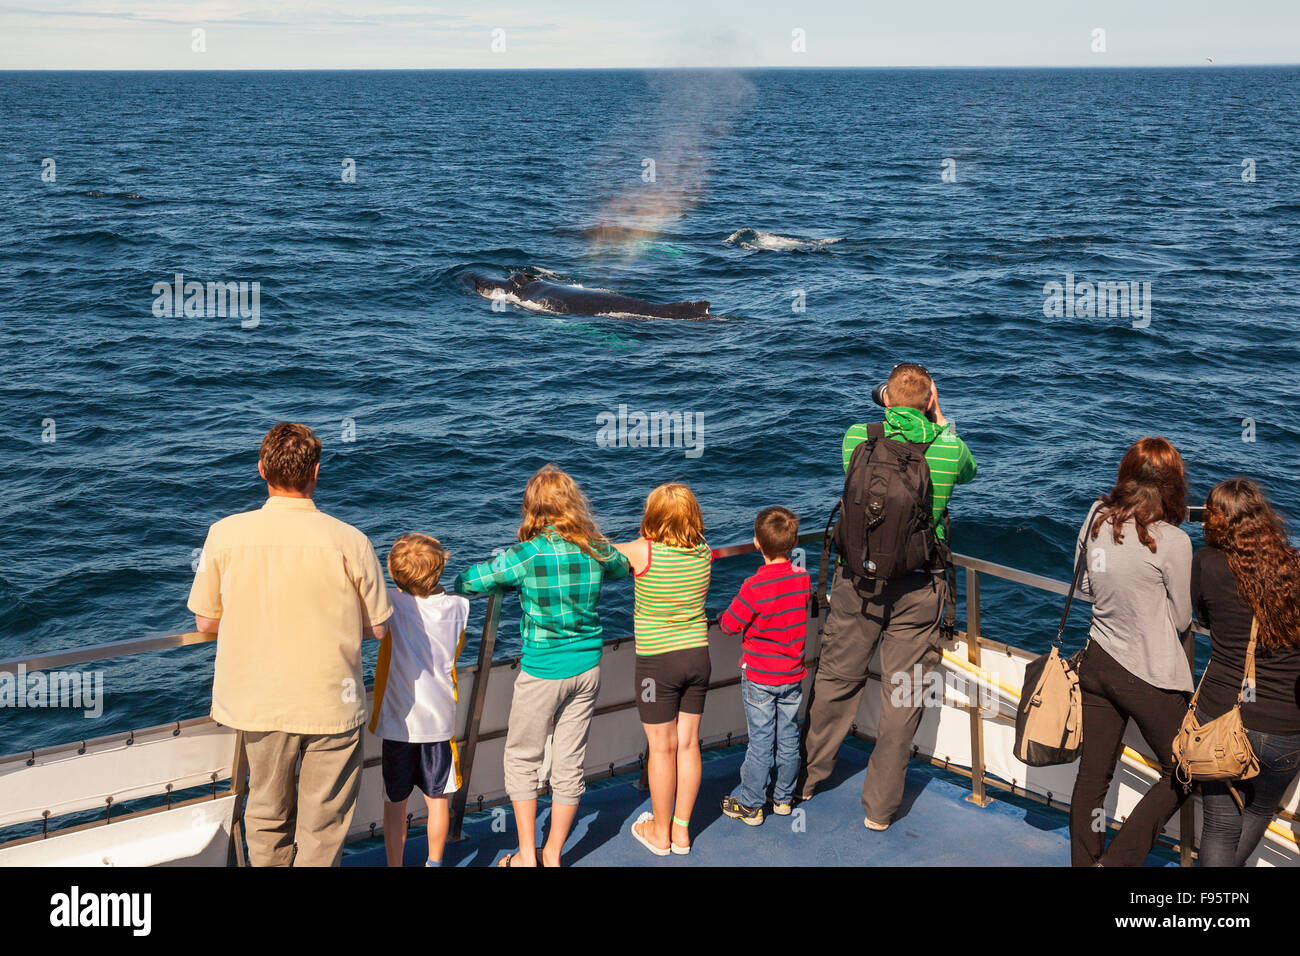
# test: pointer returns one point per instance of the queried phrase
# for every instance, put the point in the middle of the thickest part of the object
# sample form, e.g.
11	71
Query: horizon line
639	69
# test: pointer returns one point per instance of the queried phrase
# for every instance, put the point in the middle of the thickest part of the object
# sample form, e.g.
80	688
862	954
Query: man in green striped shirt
901	616
951	462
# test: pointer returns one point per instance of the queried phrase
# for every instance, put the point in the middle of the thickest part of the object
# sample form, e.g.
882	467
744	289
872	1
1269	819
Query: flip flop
678	848
644	818
508	860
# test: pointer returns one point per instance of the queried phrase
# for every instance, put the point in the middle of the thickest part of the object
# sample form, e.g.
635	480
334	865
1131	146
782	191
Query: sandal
508	860
681	849
643	819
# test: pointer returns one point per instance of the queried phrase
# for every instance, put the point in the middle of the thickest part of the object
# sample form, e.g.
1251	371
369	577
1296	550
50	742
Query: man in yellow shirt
291	593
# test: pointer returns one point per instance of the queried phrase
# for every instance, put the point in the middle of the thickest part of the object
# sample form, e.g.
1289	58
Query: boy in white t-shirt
415	692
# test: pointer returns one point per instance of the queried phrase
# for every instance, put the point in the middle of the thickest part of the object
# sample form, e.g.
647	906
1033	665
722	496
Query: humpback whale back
690	310
533	291
577	300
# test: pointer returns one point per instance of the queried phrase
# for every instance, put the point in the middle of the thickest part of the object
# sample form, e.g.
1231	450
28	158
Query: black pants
1112	695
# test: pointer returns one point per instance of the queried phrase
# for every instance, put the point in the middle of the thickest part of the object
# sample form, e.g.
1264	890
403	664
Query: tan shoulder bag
1049	717
1220	749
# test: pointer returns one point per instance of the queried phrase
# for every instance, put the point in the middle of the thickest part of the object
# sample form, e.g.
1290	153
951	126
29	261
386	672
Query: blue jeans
772	713
1228	835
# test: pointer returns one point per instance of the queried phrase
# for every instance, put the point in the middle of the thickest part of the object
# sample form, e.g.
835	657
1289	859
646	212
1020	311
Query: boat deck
936	826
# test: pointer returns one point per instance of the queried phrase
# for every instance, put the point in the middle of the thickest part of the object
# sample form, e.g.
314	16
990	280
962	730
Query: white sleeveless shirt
415	679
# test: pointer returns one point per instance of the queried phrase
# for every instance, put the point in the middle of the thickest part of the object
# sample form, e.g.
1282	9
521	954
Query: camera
878	394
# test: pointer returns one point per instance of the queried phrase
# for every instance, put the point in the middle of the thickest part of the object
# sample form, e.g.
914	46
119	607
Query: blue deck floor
936	826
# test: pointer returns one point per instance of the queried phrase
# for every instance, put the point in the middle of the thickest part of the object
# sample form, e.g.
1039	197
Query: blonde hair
672	516
415	562
553	498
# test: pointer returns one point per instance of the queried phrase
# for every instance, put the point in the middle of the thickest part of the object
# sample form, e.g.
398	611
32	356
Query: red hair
1151	487
672	516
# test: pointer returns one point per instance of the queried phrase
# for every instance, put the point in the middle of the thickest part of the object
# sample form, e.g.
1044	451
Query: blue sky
412	34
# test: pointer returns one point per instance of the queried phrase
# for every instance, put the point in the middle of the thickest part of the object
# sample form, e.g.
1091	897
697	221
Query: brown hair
910	385
553	498
777	531
289	456
1151	487
1253	537
672	516
415	562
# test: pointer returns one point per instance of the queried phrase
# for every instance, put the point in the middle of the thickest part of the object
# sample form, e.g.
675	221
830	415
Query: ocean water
435	407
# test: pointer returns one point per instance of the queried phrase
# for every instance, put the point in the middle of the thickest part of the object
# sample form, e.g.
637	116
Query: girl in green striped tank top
670	593
672	564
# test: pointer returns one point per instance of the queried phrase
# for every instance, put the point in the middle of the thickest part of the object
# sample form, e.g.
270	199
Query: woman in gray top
1137	571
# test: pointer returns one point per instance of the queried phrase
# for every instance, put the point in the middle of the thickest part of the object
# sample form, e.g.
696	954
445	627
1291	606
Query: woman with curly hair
1248	573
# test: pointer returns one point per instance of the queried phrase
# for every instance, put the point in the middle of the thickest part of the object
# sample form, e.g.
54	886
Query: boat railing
984	664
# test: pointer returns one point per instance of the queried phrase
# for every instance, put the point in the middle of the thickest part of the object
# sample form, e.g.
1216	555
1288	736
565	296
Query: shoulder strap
1249	680
875	432
824	566
1078	574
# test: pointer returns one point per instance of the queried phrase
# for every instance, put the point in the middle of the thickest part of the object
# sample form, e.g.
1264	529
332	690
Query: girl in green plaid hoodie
558	567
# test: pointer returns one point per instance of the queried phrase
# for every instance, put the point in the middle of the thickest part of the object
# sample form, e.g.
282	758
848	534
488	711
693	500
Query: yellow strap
455	683
381	676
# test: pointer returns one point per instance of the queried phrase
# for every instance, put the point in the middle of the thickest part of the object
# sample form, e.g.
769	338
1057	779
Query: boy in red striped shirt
771	614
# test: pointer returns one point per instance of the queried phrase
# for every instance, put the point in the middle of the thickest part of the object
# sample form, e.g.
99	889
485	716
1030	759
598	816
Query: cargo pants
904	618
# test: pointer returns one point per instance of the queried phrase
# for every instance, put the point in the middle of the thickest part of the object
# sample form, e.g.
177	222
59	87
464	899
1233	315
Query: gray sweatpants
904	618
560	708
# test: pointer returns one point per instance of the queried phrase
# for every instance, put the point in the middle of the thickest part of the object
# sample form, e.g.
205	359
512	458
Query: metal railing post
1187	813
978	796
823	608
486	648
239	787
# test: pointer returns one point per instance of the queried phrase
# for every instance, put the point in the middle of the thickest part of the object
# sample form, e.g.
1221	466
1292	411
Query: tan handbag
1220	749
1049	717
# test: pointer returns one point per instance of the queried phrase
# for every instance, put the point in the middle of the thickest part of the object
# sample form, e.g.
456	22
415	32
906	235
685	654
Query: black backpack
886	523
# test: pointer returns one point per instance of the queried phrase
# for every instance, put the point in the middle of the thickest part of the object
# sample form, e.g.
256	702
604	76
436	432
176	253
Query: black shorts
431	767
671	684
